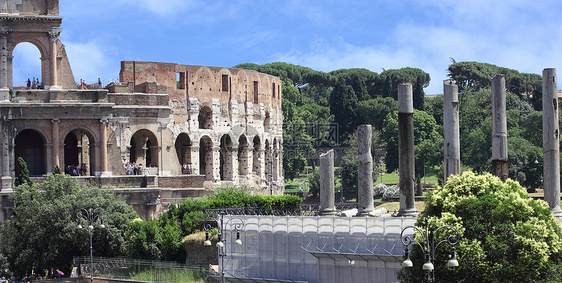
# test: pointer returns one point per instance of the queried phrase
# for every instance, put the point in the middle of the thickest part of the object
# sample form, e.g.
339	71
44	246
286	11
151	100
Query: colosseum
163	133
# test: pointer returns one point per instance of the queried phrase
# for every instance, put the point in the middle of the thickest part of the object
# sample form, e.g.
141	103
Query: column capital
104	120
54	34
4	33
55	121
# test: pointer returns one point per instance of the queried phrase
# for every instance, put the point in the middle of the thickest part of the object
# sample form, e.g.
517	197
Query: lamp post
91	216
218	216
429	247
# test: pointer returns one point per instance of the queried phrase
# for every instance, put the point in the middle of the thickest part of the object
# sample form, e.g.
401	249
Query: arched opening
143	151
183	150
206	157
243	166
226	158
78	155
26	67
205	118
30	146
257	156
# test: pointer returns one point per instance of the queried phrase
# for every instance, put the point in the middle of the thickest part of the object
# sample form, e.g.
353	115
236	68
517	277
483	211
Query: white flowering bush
379	189
505	235
391	192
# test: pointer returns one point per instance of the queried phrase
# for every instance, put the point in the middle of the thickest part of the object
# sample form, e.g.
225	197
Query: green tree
428	143
42	233
505	236
390	79
23	174
374	111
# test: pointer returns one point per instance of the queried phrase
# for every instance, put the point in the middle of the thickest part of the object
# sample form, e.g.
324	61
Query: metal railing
139	270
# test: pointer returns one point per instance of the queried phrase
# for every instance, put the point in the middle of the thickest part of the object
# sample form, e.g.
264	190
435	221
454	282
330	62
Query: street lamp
218	216
91	216
428	247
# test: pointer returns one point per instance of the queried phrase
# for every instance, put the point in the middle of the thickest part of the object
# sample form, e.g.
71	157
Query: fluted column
56	145
103	147
6	174
53	37
4	90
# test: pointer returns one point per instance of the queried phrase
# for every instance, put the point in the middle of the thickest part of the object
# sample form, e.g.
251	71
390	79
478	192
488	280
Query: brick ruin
192	128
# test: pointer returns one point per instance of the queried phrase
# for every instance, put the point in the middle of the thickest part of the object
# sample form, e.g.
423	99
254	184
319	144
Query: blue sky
324	35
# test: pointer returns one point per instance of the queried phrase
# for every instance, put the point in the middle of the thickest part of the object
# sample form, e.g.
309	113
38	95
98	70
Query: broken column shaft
406	156
551	141
327	193
365	203
451	139
499	128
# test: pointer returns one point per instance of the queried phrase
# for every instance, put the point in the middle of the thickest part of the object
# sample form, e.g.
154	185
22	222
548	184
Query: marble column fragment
327	193
406	155
365	203
499	128
551	142
451	136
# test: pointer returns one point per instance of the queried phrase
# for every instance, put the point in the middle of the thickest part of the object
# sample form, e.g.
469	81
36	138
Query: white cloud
89	61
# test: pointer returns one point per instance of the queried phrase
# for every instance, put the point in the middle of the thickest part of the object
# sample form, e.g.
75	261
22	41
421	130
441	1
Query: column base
407	213
4	94
7	184
53	87
103	173
327	212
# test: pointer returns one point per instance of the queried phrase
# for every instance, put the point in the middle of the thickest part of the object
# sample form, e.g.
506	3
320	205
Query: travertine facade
208	126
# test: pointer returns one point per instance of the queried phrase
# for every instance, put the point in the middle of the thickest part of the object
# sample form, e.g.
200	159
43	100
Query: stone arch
30	145
243	156
144	148
226	163
206	157
205	117
79	153
275	160
44	63
183	150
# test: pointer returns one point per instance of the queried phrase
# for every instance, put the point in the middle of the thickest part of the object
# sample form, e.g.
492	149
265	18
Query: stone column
551	141
365	195
6	174
195	159
451	139
215	163
406	156
327	193
499	128
103	147
54	37
56	145
4	90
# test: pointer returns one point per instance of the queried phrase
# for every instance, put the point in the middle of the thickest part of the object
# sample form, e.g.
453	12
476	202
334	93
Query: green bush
160	239
505	235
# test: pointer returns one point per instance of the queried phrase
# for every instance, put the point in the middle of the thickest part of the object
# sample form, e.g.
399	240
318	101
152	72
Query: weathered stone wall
30	7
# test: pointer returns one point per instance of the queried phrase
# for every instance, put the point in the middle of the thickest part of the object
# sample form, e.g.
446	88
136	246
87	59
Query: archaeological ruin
163	133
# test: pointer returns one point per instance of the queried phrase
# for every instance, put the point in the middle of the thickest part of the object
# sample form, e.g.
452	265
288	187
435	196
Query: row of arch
80	145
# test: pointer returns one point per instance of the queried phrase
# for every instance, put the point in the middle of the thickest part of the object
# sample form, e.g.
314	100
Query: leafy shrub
505	235
161	239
